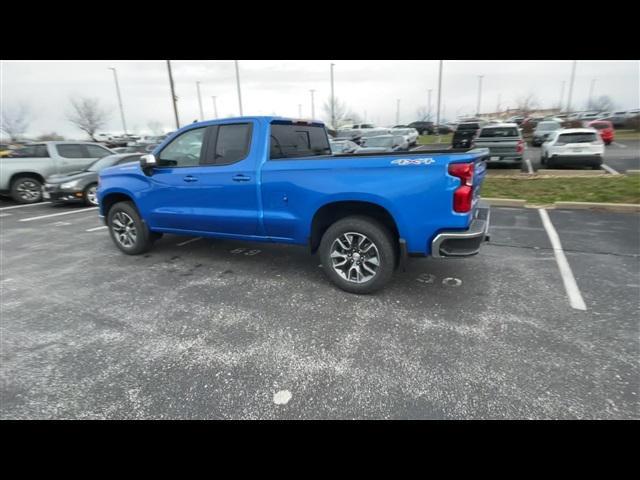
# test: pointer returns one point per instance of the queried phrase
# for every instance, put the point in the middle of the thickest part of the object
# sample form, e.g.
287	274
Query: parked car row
367	138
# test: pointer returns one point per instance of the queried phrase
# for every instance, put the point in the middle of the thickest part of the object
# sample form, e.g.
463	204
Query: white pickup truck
22	174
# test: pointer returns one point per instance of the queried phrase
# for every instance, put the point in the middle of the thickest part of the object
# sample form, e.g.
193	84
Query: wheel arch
30	174
110	199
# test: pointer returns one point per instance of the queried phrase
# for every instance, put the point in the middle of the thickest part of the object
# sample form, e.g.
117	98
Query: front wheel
127	230
358	254
90	195
26	190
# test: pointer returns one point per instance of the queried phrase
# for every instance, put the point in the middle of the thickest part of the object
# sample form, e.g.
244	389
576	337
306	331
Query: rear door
74	157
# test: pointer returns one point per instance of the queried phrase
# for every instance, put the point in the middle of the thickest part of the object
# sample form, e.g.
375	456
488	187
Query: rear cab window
499	132
72	150
292	140
580	137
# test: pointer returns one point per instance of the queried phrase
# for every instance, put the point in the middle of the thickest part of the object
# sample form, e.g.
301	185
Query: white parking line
5	214
22	206
610	170
189	241
529	167
570	285
96	229
620	145
58	214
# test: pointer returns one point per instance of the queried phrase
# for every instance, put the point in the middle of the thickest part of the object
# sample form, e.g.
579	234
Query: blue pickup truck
274	179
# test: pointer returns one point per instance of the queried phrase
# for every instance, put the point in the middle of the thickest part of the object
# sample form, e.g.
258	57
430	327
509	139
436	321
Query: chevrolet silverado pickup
272	179
23	174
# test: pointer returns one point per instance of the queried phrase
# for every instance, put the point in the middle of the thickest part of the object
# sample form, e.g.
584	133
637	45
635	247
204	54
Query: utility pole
365	117
215	107
479	94
562	94
299	110
238	83
200	101
313	107
398	111
333	112
174	99
593	82
439	97
573	76
498	105
115	77
429	107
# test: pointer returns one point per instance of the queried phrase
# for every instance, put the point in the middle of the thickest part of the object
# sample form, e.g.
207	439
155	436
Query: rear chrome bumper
463	243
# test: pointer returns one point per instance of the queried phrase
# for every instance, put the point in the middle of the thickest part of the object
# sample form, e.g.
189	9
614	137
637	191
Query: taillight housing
520	146
463	195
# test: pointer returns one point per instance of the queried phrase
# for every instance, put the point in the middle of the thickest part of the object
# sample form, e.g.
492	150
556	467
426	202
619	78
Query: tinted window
96	151
499	132
183	151
232	144
71	151
37	151
290	140
468	126
576	138
104	162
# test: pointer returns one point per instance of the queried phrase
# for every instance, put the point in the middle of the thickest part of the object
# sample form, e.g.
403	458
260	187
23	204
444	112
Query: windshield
104	162
580	137
385	142
499	132
548	126
468	126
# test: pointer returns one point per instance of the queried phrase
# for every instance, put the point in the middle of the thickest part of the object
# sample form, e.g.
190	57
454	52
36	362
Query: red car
605	129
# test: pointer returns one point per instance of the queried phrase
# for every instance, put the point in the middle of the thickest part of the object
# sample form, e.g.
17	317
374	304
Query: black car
423	127
464	134
81	186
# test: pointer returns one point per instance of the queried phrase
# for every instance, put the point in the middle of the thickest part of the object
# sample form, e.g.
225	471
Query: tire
26	190
134	240
367	234
90	197
543	160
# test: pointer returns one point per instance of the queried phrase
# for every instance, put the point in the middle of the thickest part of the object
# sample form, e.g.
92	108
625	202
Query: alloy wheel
355	257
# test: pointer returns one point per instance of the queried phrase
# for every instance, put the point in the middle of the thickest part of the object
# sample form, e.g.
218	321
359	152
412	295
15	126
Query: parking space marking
620	145
96	229
189	241
529	167
571	287
610	170
22	206
5	214
58	214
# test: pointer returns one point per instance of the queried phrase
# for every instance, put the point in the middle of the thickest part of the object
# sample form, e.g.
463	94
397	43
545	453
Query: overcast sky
280	86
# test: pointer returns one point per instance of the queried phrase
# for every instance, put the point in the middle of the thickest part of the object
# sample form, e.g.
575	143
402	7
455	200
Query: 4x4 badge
413	161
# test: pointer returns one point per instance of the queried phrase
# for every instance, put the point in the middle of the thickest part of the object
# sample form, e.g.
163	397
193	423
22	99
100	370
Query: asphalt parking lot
214	329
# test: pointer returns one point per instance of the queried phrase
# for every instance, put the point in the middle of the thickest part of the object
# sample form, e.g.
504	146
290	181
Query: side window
41	151
232	144
183	151
95	151
71	151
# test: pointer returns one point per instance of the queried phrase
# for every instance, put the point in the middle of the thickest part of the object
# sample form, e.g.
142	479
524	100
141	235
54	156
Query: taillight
463	195
520	146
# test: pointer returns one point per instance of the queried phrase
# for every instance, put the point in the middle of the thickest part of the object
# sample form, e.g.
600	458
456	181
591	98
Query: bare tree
423	114
87	115
15	121
601	104
50	137
342	113
527	103
155	127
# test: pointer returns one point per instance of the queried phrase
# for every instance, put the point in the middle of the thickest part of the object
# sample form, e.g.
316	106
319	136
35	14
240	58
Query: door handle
190	178
241	178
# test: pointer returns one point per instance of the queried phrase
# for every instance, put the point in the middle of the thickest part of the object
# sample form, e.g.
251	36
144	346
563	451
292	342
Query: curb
607	207
632	172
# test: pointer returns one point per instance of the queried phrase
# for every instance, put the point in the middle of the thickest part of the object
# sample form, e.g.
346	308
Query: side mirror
147	162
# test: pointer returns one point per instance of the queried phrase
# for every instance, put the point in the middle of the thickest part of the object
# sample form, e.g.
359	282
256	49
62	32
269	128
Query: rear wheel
128	231
358	254
26	190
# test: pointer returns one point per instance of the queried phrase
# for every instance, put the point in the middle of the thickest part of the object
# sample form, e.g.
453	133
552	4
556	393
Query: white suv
573	146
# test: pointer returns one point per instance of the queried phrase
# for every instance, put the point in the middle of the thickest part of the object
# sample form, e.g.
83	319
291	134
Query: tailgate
479	172
499	146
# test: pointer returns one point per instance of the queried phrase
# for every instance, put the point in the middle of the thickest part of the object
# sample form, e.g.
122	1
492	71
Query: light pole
562	94
479	93
439	97
299	110
593	83
174	98
215	107
115	77
313	107
429	108
398	111
238	83
573	76
333	110
200	101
